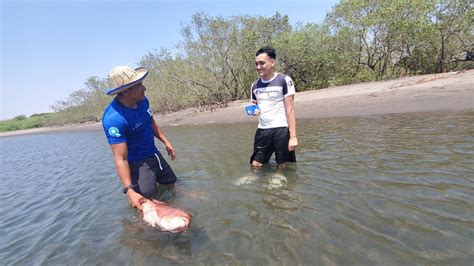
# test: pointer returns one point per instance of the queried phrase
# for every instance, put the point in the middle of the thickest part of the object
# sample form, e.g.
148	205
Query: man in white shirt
274	95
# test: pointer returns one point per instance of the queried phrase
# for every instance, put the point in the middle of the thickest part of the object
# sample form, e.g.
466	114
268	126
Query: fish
164	217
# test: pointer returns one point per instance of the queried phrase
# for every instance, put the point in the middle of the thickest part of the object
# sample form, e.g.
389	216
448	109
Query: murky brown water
391	190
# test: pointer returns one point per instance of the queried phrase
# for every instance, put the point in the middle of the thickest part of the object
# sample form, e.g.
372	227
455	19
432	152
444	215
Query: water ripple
391	190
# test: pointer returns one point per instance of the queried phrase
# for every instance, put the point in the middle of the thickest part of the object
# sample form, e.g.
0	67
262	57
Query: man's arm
291	117
120	152
161	136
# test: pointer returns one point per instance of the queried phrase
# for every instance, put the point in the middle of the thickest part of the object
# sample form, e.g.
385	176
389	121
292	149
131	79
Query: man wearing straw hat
130	129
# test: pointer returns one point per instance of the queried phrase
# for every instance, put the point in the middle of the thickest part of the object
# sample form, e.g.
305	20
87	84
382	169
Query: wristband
125	189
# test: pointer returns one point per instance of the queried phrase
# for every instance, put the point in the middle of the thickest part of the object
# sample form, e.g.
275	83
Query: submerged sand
453	91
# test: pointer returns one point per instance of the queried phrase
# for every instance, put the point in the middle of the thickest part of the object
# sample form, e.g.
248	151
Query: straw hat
124	77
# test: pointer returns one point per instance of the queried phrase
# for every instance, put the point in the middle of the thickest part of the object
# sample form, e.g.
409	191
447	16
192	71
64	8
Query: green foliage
360	40
20	117
40	114
82	105
23	122
215	65
394	38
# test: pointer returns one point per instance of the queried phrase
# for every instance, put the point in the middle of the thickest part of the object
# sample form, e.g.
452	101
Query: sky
50	48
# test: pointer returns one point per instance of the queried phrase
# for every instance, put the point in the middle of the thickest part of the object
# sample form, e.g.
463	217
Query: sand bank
452	91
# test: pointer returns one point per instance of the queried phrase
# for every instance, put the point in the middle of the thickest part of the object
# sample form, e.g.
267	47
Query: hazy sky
50	48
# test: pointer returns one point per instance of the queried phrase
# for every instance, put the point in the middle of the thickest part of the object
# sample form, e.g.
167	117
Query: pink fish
166	218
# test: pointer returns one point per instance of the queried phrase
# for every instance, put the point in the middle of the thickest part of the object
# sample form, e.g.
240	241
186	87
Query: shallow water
391	190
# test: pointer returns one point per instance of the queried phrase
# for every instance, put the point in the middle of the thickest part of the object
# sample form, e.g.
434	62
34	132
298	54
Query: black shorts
147	172
272	140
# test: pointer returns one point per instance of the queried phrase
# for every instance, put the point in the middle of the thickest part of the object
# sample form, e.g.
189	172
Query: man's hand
292	143
171	151
135	198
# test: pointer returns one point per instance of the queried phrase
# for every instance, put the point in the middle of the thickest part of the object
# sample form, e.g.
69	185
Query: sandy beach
453	91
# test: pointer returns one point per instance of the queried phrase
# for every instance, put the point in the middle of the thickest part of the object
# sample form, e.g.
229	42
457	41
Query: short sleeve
115	128
289	87
253	98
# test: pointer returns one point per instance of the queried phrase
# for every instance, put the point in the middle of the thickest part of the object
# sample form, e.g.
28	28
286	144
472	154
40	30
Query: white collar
268	81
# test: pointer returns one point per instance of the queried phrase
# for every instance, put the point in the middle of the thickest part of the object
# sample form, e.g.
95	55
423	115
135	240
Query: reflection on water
391	190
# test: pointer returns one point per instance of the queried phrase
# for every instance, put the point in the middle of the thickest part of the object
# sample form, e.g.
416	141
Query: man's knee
148	192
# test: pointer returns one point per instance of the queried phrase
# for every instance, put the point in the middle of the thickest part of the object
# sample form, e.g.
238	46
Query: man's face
264	65
137	92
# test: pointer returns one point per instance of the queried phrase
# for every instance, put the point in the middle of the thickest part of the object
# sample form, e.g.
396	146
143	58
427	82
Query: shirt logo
150	111
114	132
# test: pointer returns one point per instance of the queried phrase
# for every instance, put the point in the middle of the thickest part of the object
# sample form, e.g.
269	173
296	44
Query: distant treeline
23	122
359	40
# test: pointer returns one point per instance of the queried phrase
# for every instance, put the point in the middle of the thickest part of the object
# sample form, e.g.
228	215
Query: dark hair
270	51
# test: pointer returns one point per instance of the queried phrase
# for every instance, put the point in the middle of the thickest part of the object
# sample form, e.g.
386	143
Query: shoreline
445	92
